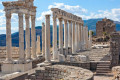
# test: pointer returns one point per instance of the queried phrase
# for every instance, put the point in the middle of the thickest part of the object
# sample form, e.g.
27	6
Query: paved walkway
103	77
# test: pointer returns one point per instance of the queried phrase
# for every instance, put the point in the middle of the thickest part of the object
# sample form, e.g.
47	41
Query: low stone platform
53	72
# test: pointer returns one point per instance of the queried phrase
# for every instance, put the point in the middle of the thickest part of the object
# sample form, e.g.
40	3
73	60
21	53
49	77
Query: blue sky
87	9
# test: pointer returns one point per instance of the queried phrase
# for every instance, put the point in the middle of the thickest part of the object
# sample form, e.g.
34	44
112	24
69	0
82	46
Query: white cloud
68	8
113	14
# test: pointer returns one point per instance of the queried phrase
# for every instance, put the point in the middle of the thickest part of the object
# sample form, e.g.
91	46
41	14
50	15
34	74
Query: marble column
82	38
47	36
70	35
90	39
43	39
76	37
21	39
55	53
65	37
73	37
79	33
27	37
8	38
60	36
86	37
38	49
33	37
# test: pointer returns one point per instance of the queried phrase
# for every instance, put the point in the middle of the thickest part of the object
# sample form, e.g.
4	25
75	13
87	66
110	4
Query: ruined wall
115	48
14	52
105	26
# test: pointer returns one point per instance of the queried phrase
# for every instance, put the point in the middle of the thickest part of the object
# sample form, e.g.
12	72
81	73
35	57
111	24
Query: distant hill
91	23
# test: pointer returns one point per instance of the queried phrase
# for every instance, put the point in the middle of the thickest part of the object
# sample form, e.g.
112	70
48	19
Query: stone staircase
103	67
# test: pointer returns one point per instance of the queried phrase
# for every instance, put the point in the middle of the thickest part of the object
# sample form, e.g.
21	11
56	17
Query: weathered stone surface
106	26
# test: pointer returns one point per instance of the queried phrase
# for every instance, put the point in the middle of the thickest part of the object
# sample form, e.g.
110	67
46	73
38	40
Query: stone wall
115	48
61	72
14	52
105	26
77	64
54	72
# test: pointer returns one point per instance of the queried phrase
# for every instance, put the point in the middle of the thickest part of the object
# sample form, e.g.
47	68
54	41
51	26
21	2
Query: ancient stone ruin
74	57
105	27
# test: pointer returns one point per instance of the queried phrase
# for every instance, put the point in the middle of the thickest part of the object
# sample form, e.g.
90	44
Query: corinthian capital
20	14
8	15
27	16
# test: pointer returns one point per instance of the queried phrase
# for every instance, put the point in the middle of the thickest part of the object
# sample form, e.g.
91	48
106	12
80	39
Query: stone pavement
103	77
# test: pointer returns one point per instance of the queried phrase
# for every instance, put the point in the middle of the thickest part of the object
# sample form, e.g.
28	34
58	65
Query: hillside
91	23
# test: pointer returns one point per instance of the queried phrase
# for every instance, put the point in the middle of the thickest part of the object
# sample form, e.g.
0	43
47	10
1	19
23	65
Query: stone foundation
10	67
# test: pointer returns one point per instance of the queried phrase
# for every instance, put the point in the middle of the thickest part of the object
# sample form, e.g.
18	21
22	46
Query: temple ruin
72	57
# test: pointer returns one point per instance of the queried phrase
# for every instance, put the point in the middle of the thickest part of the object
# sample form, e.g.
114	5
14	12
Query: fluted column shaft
60	36
38	49
43	38
86	37
79	36
90	39
47	38
65	37
33	37
27	37
82	37
73	37
55	53
70	35
8	38
21	38
76	37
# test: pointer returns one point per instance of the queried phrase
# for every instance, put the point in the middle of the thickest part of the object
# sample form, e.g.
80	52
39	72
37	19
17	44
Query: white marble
21	39
33	38
55	52
27	37
60	36
47	38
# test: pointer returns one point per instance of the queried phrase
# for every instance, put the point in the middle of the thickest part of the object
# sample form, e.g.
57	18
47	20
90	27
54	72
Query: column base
11	67
44	64
69	50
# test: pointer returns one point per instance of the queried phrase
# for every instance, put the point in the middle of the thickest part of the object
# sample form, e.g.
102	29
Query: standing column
43	39
76	37
79	36
33	37
90	39
47	44
27	37
82	37
55	53
70	35
21	39
65	37
8	38
38	49
60	36
73	37
86	37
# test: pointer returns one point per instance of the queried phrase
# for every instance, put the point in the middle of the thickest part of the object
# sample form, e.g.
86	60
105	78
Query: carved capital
47	16
60	19
8	15
27	16
65	21
20	14
33	17
43	24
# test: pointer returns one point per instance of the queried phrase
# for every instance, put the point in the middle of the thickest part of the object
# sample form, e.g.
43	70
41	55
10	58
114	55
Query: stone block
10	67
82	58
61	58
72	59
